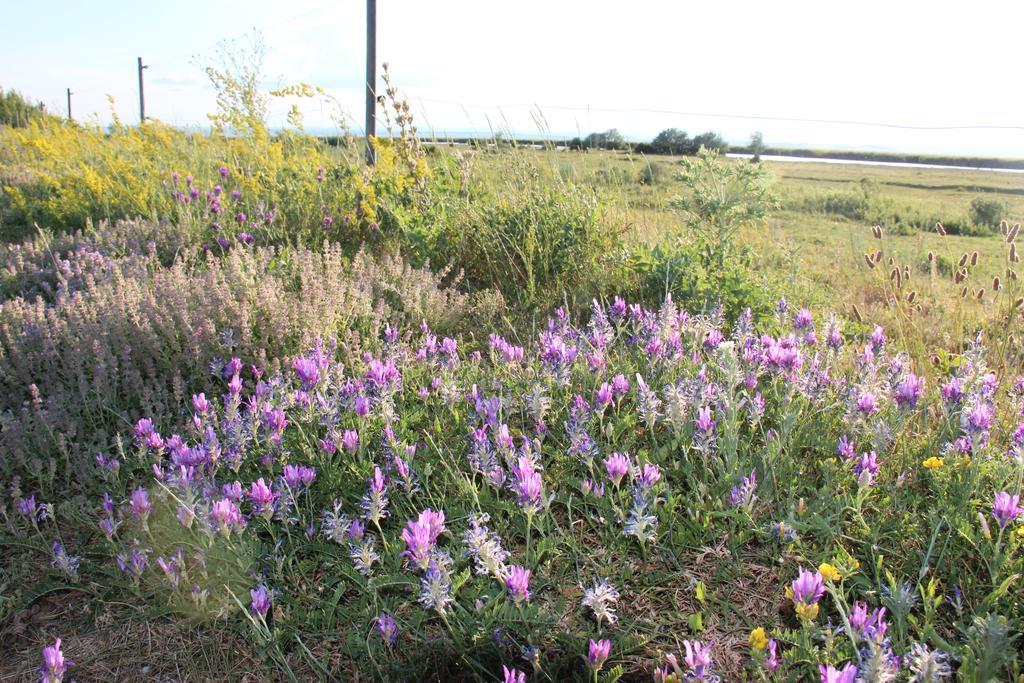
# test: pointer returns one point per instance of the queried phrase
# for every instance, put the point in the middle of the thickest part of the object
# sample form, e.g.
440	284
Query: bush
533	237
17	112
654	173
722	198
121	337
682	270
986	212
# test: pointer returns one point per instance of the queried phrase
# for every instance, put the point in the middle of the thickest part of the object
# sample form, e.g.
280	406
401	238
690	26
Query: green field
818	255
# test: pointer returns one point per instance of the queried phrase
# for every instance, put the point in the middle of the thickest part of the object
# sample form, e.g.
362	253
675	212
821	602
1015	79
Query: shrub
722	198
531	236
682	270
654	173
17	112
123	336
986	212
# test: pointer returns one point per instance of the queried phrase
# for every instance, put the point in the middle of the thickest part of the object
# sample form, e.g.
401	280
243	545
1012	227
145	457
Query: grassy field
819	256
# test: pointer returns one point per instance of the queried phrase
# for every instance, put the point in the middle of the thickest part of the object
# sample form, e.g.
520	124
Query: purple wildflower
517	580
299	476
140	505
952	391
1006	508
698	661
307	370
704	423
603	396
806	590
648	475
263	498
866	468
771	662
350	441
869	625
597	653
829	674
260	601
387	628
512	675
866	403
528	486
742	494
54	665
878	338
803	319
225	517
909	391
375	502
421	535
617	466
846	449
67	564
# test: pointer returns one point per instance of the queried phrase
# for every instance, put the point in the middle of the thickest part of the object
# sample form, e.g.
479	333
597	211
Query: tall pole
371	79
69	103
142	96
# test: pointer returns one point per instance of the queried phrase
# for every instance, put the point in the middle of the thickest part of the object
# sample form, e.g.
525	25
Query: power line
749	117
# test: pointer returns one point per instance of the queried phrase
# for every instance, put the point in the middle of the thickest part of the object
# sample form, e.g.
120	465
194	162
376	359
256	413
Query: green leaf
696	622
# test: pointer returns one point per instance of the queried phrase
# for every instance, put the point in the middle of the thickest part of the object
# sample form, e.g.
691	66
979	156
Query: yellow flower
807	612
758	639
829	573
1020	532
933	463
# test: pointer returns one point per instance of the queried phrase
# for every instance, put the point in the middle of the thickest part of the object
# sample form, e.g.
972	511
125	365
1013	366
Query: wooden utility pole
69	103
142	96
371	79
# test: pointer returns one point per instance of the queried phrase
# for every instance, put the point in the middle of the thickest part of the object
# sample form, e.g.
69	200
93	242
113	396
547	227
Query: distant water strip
864	162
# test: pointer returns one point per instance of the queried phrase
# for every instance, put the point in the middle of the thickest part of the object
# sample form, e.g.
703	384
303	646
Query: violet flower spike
829	674
54	665
517	580
597	654
1006	508
260	601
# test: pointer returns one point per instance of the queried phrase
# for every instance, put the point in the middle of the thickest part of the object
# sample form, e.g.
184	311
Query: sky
562	67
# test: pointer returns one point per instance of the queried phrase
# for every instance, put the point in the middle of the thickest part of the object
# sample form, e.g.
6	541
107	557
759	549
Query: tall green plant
723	197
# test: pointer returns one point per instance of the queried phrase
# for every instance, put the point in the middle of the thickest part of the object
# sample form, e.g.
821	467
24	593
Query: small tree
723	198
756	147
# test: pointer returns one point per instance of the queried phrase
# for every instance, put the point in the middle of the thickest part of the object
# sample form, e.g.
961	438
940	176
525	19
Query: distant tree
756	147
710	141
671	141
610	139
16	111
613	139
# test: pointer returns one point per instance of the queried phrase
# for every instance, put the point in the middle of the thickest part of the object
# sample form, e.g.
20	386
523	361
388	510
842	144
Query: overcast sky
498	65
